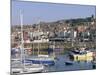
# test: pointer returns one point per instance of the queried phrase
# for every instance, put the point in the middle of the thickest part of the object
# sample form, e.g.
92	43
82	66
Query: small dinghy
68	63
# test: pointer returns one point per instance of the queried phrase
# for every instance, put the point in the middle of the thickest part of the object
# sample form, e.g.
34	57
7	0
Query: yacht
19	65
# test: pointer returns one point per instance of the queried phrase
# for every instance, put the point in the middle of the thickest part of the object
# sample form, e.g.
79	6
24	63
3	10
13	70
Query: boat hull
44	62
68	63
81	57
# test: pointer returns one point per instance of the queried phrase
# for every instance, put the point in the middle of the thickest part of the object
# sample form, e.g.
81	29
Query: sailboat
25	67
40	58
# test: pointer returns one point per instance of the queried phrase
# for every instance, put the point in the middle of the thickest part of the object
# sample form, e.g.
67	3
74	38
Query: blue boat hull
44	62
68	63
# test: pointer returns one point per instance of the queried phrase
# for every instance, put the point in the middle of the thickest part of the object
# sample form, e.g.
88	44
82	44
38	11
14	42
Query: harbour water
60	65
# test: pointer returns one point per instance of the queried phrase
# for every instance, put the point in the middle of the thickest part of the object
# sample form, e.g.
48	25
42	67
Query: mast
22	41
83	37
53	48
38	38
72	36
33	47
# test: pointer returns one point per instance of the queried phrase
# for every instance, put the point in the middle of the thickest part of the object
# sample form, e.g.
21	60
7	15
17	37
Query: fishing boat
81	55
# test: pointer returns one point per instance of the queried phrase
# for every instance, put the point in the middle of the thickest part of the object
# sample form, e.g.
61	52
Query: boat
68	63
81	55
33	68
22	66
28	68
42	60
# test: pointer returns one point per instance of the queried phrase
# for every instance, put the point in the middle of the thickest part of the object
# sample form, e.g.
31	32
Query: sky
33	12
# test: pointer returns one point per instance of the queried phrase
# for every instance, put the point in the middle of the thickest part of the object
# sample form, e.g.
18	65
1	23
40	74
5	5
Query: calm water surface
60	65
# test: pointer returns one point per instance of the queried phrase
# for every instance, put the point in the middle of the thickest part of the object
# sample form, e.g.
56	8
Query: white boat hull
28	69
